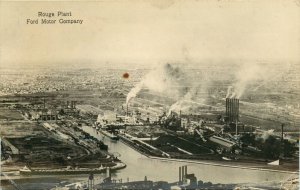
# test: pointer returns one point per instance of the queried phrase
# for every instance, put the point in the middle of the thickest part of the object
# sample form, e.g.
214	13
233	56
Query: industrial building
225	143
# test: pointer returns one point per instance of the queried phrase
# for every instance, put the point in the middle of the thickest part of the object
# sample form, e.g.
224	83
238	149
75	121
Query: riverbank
231	164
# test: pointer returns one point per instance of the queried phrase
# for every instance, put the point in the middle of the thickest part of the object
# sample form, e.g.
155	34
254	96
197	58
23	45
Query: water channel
139	166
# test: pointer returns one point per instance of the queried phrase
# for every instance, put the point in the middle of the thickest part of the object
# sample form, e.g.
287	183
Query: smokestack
238	109
127	109
232	109
282	125
227	106
236	128
108	172
180	120
180	178
73	104
182	173
237	104
44	104
231	104
91	182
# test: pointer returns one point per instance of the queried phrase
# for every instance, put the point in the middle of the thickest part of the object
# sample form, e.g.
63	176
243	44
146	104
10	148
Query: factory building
89	109
107	117
70	107
224	143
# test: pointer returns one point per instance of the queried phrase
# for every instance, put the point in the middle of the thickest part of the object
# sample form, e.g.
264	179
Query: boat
108	134
225	158
69	170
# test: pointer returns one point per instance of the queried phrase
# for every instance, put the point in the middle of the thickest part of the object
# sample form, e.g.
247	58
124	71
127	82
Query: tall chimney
227	108
44	104
108	172
180	178
238	109
282	125
182	173
91	182
236	127
232	109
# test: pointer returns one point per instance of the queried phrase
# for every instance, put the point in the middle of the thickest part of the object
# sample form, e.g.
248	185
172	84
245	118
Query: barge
70	171
108	134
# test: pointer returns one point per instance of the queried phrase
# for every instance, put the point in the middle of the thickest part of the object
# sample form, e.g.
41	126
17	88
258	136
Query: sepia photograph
149	94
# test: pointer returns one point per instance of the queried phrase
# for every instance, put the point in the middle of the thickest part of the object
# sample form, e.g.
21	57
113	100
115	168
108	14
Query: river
139	166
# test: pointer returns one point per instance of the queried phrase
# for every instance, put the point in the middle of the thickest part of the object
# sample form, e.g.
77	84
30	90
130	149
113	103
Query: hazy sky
143	32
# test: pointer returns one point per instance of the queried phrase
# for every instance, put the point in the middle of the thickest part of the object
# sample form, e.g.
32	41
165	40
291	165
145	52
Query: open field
20	129
10	114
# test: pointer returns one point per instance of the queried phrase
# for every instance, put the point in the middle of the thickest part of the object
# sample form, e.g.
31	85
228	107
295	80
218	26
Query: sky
151	32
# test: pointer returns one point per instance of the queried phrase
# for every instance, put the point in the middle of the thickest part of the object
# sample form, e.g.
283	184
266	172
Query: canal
139	166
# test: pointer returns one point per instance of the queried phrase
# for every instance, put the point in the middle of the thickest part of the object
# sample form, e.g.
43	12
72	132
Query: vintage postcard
149	94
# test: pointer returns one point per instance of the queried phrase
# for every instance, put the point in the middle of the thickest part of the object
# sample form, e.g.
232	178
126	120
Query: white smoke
195	95
229	91
246	75
178	82
266	134
160	79
133	92
181	104
187	102
250	74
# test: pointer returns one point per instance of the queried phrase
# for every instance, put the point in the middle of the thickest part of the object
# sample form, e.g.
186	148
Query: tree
288	148
271	148
248	139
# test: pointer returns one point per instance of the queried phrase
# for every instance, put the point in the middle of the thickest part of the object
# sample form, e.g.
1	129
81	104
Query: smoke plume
229	91
180	104
133	92
267	134
167	79
189	100
258	74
